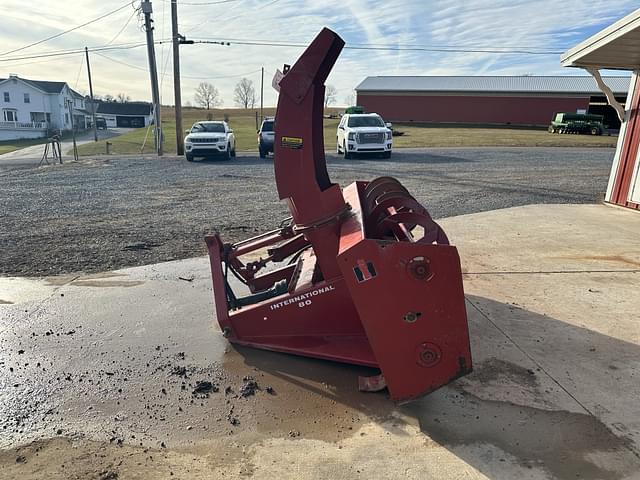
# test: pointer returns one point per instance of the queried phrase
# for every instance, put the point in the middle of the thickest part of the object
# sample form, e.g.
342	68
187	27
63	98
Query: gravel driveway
102	214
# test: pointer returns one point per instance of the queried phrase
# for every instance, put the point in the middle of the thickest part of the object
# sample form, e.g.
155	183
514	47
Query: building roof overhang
615	47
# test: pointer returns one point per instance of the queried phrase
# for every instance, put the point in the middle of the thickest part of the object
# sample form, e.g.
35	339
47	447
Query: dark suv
266	137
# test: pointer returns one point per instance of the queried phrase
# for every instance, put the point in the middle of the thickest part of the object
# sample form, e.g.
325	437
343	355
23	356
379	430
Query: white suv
209	139
364	133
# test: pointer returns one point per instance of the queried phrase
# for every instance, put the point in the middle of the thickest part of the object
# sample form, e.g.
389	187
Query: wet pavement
150	368
125	374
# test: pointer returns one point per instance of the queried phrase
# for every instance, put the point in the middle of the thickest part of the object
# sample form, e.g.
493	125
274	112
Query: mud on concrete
103	392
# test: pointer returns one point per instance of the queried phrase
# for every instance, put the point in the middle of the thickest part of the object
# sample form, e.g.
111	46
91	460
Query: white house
32	108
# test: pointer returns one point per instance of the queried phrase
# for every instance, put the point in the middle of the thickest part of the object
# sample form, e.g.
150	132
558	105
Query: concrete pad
97	372
562	282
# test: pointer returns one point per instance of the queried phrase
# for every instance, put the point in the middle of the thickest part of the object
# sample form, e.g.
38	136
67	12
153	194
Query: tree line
244	95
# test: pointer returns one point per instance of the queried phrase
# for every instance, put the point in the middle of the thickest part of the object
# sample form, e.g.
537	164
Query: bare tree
207	96
350	100
123	98
244	94
330	94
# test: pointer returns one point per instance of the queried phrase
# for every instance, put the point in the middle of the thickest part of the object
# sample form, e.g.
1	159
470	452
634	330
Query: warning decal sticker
291	142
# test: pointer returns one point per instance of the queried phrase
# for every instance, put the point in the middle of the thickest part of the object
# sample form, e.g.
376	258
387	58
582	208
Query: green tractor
577	123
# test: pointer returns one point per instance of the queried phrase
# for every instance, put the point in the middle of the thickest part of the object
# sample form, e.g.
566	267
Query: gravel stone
106	213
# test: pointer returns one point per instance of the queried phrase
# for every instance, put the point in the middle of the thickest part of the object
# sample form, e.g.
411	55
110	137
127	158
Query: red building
517	100
618	47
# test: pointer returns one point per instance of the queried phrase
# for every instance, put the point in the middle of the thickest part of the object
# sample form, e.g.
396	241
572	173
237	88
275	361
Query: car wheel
338	151
386	154
189	157
229	155
346	153
262	153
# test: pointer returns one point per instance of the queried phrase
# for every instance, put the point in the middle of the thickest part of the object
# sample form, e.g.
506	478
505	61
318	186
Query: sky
531	25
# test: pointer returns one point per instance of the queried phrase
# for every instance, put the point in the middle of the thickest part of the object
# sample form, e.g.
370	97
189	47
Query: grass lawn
415	135
11	145
425	135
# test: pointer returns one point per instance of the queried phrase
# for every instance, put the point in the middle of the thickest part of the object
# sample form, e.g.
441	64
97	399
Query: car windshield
365	122
208	127
267	127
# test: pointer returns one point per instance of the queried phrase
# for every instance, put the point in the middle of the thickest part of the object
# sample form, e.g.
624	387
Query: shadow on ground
472	418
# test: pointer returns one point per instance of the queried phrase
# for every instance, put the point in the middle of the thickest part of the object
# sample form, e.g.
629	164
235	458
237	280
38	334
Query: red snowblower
360	275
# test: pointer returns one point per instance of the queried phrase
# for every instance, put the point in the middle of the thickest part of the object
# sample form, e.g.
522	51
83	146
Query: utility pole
93	105
261	94
177	95
153	71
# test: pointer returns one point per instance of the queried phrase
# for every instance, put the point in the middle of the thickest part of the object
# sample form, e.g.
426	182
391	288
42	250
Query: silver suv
266	137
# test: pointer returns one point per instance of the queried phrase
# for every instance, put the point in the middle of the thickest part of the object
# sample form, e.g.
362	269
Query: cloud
542	24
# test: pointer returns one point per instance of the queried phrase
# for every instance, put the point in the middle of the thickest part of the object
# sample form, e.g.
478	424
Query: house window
48	116
6	97
10	115
66	118
27	99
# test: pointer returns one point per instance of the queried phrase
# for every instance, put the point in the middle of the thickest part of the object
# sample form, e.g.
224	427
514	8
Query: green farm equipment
577	123
355	109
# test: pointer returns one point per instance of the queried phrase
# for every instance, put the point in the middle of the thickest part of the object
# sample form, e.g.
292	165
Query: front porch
19	130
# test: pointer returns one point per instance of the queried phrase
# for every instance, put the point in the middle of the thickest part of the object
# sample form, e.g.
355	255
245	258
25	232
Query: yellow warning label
291	142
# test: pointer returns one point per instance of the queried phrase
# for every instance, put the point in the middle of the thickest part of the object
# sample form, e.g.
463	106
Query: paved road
100	214
29	157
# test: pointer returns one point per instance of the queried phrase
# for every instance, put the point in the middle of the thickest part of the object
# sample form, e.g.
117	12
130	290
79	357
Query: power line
203	3
131	45
32	63
123	27
66	51
79	71
391	43
121	62
443	49
72	52
182	76
455	50
162	51
67	31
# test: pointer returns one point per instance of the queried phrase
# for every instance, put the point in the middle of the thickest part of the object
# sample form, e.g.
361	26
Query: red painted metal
361	275
628	154
476	109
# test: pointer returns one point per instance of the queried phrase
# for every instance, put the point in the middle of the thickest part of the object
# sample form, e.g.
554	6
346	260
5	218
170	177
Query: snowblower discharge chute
361	275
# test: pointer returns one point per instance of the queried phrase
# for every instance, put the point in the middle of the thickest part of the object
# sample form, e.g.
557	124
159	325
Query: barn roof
493	84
